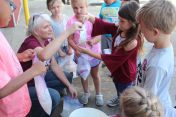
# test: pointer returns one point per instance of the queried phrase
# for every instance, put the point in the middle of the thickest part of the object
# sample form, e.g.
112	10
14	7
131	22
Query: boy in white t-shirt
157	19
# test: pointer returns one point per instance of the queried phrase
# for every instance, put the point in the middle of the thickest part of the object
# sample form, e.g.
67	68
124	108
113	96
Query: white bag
67	64
42	91
83	36
83	67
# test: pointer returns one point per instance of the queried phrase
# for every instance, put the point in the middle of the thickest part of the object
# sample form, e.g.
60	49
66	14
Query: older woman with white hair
40	38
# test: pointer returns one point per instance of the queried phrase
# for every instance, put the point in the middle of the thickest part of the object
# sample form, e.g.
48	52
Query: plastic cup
107	51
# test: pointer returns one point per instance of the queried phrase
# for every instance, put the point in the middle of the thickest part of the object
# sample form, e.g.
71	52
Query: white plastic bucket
87	112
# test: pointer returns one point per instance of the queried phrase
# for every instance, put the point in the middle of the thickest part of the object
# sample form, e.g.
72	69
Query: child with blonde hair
80	10
59	21
137	102
157	19
63	57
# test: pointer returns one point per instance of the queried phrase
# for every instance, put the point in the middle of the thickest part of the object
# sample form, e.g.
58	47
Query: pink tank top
88	27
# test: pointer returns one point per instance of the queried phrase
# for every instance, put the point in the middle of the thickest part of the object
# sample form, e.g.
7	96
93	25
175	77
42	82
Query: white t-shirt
59	27
158	69
118	40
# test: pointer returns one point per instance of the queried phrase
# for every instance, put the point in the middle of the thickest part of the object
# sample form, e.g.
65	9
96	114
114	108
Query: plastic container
87	112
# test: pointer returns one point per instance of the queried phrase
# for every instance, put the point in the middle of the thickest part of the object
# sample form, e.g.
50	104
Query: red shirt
121	63
29	43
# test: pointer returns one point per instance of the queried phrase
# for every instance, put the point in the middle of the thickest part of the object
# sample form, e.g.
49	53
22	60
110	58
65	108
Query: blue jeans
54	86
120	87
36	109
53	82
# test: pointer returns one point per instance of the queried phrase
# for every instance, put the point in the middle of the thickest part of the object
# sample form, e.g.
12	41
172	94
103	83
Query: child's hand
77	53
76	26
94	40
90	42
89	17
70	51
83	50
38	68
27	55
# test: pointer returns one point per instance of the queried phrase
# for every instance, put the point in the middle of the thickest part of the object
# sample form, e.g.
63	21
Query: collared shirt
18	103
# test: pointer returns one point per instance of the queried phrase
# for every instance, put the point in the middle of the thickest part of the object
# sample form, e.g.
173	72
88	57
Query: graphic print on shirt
110	14
141	77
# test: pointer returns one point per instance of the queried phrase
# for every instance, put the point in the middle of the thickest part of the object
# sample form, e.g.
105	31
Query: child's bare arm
22	79
94	40
73	45
86	51
70	50
91	18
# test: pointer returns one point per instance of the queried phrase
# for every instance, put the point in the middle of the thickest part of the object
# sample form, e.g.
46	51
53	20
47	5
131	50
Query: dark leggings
120	87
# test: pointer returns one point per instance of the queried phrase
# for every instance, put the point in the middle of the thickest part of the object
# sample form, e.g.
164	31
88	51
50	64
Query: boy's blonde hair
160	14
72	1
136	102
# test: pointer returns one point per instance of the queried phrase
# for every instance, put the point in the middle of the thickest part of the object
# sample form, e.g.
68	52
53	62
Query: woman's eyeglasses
35	16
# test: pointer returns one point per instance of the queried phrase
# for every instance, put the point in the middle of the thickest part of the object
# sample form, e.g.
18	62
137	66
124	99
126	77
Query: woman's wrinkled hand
72	91
75	27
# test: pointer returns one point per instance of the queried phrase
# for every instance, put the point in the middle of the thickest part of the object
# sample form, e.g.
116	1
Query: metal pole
26	11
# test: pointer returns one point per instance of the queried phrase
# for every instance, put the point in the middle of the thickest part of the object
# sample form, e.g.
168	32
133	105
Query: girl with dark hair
127	41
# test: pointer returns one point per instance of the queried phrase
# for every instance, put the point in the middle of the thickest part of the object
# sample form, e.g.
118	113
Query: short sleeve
29	43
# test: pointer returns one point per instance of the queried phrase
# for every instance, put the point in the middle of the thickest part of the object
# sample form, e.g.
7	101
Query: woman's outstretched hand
75	27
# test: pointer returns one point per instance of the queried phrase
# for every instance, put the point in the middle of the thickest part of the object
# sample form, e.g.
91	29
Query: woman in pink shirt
14	95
